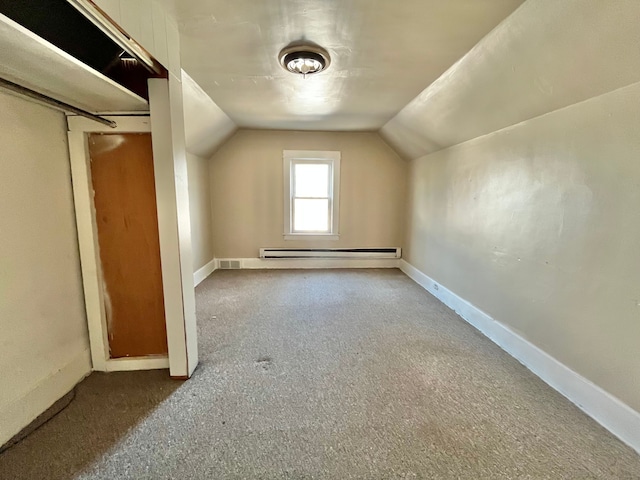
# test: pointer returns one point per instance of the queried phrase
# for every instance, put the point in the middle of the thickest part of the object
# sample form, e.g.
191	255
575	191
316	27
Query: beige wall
538	225
44	342
206	129
524	183
247	191
200	210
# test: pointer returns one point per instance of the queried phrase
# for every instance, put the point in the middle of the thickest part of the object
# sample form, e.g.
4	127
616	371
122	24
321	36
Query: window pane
311	180
311	215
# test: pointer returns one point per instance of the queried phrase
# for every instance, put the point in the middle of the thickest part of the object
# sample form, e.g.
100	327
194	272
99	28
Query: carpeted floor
330	375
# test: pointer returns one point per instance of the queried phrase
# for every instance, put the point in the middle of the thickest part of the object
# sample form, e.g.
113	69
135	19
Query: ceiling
383	52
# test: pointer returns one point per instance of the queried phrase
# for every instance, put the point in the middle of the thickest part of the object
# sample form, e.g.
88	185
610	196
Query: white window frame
331	158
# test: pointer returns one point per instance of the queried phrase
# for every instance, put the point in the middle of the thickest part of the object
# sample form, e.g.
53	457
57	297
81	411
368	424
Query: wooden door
126	217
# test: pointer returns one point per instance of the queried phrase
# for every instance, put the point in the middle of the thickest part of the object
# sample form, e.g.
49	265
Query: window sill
311	236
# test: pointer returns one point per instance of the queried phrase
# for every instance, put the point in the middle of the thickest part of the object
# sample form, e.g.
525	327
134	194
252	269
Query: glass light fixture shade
304	59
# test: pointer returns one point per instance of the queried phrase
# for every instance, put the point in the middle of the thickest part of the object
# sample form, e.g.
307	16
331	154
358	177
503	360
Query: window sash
297	174
294	197
297	157
298	228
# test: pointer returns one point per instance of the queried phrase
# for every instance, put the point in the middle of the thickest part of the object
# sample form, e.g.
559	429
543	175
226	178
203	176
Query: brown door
126	216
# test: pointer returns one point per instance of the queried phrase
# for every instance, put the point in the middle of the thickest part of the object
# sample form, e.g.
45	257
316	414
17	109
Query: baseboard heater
330	252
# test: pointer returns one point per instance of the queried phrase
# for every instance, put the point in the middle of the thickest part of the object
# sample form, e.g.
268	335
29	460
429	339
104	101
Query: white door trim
174	224
92	279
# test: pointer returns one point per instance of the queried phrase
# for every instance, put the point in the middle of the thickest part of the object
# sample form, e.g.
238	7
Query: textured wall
44	342
538	226
247	191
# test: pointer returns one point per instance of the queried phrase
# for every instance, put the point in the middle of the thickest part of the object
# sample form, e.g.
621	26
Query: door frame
91	268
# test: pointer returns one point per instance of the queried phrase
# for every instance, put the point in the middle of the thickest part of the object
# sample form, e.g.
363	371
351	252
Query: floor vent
330	252
229	264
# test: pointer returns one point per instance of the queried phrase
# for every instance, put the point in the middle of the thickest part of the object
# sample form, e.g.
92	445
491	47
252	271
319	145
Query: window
311	193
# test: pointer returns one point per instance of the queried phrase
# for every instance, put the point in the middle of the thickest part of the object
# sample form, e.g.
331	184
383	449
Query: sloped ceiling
383	53
547	55
206	125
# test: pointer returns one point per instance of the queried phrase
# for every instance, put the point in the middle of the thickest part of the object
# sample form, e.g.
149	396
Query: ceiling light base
304	59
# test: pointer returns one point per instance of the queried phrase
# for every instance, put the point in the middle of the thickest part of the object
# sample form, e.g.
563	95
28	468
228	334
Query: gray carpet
324	374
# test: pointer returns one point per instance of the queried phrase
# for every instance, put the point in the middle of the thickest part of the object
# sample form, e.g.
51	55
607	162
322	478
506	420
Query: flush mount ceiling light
304	59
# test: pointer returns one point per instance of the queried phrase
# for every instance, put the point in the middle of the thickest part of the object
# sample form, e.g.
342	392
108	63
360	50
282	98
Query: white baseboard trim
137	363
302	263
20	413
203	272
607	410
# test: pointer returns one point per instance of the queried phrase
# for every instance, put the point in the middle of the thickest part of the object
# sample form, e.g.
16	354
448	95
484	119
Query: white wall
537	223
174	223
206	126
248	193
200	209
44	347
152	24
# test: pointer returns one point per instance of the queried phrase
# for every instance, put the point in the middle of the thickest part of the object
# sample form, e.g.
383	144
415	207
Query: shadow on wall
106	410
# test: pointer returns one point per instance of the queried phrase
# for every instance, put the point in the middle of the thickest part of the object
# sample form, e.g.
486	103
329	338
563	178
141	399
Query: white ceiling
542	58
384	53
